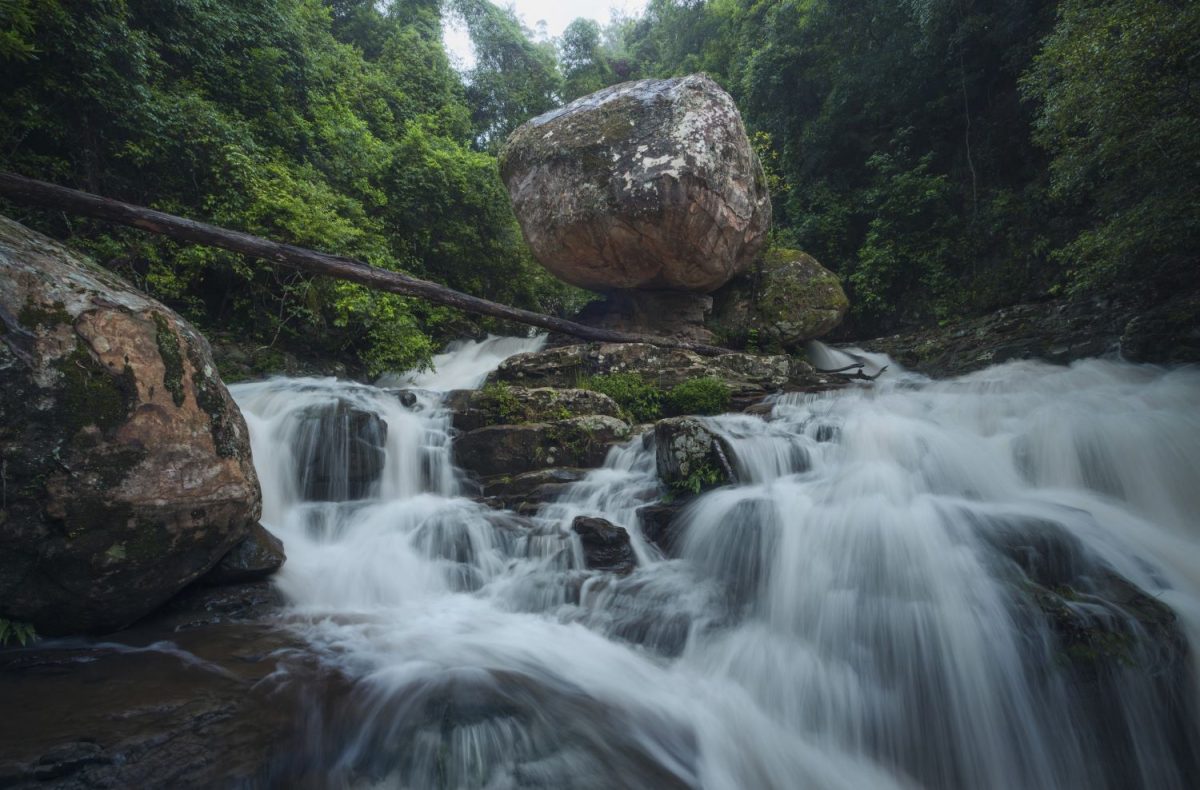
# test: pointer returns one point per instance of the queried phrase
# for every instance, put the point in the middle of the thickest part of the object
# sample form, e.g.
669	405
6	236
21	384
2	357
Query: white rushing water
923	584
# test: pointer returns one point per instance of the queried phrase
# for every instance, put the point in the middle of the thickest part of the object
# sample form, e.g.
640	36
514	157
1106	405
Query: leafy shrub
705	395
503	403
638	397
14	630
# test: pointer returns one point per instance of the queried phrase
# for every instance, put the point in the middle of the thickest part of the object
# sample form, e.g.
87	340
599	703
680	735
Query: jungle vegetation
944	157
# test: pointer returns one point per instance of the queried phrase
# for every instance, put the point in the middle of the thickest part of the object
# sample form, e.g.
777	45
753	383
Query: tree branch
28	190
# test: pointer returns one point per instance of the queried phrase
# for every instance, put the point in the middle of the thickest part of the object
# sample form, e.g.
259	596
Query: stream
984	582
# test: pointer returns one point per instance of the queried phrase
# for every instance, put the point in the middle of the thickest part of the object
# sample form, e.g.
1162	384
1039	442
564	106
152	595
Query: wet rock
208	692
690	457
606	546
749	376
126	464
1141	327
788	301
1109	639
505	405
526	492
407	398
512	449
661	525
650	184
339	452
1166	333
256	556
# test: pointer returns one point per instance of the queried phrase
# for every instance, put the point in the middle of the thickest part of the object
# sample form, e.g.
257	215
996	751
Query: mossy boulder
690	456
126	466
501	404
650	184
787	301
748	377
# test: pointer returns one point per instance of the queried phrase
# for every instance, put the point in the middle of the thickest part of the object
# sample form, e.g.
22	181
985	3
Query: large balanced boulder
650	184
126	466
789	300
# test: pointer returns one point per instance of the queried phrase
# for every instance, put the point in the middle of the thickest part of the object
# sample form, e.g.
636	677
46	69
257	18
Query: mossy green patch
168	349
499	400
92	395
35	315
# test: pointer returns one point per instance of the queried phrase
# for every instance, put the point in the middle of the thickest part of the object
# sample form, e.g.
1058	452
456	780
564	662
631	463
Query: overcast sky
557	14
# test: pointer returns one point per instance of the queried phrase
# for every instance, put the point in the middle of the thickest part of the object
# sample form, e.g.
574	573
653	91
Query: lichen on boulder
690	457
650	184
126	466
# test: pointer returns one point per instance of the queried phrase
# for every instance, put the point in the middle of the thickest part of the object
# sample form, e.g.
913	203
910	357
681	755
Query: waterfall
987	582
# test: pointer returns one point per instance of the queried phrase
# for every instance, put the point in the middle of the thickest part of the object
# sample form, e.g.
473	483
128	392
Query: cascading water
920	585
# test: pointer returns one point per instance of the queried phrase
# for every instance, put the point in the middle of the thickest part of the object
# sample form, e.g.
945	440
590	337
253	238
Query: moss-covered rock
512	449
690	457
748	377
646	184
502	404
787	301
126	466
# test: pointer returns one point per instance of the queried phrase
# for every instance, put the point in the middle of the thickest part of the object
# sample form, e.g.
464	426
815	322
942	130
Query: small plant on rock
501	400
15	630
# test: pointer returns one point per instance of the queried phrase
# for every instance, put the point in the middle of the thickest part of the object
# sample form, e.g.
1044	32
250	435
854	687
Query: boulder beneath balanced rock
650	184
790	300
126	465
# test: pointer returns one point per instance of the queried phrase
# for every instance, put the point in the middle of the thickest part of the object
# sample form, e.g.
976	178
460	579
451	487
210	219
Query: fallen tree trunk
29	190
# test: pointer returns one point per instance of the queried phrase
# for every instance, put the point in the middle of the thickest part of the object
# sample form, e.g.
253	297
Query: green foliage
911	239
16	631
702	476
338	126
514	78
705	395
500	400
16	30
896	144
1115	83
640	399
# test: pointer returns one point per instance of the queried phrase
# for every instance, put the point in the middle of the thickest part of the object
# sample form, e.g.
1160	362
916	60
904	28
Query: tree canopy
942	156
